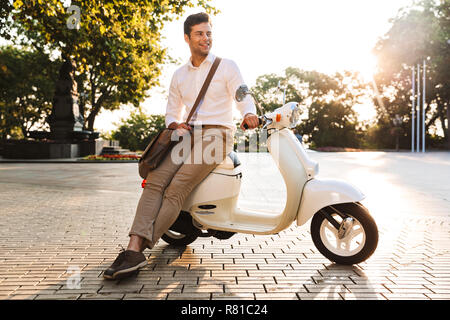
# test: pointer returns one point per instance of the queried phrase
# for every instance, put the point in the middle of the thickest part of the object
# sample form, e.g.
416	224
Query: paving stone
121	289
249	288
438	296
406	296
362	296
57	297
8	287
256	280
319	288
284	288
19	297
276	296
34	291
204	288
232	296
439	289
189	296
319	296
146	296
102	296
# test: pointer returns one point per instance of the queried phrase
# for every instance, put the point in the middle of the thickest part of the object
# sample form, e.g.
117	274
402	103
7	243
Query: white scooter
341	227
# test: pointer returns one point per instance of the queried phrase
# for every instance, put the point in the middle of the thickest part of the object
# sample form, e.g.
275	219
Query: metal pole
413	108
423	107
418	109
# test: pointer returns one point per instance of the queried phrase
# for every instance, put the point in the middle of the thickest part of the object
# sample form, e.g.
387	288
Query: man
171	182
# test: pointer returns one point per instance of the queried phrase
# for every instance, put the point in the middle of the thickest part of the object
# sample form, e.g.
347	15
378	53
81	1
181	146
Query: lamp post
415	115
413	107
397	121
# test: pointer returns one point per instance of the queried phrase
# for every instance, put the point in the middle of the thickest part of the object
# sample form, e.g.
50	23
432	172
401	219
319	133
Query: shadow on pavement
338	282
166	273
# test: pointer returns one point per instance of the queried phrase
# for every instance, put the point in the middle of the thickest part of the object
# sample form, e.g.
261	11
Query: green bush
138	130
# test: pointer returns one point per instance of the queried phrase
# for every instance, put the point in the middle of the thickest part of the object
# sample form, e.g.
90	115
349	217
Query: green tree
26	90
331	124
5	12
326	101
136	132
417	32
115	44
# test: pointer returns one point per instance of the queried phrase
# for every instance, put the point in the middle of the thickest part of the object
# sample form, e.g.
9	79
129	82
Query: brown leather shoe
126	263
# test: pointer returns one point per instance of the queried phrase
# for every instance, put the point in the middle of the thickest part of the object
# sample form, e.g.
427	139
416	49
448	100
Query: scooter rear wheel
358	243
178	239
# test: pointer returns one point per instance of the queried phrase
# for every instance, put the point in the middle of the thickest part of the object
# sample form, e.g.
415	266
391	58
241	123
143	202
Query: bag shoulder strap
204	88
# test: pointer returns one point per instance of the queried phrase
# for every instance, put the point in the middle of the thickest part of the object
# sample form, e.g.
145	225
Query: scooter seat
230	162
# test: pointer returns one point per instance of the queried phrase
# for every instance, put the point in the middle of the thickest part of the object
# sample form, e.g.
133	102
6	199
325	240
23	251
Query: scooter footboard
320	193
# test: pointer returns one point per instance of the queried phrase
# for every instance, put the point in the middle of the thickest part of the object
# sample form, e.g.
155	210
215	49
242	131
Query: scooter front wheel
352	243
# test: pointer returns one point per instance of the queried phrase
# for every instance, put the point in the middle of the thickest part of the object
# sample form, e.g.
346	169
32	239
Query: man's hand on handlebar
250	121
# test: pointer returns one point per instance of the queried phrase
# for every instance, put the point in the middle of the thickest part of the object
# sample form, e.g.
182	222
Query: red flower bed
117	157
336	149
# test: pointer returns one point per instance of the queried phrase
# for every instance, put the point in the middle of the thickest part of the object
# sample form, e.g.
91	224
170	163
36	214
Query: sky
267	36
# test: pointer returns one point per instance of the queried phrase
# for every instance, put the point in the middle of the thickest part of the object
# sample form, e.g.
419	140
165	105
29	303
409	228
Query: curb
66	161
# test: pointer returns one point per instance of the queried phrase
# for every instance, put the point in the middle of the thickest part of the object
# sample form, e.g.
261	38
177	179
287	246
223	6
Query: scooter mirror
241	92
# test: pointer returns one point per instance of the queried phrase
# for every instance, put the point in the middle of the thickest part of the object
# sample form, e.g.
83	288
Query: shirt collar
210	58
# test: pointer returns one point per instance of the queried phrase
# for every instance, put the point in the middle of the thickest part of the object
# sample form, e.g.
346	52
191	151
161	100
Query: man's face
200	40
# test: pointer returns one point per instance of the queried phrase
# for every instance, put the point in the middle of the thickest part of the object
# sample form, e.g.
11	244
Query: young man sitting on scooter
171	182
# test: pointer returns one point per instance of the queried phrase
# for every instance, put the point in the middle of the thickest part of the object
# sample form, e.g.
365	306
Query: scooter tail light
278	117
143	183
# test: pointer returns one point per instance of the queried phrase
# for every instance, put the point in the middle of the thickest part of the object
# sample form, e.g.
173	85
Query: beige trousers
176	176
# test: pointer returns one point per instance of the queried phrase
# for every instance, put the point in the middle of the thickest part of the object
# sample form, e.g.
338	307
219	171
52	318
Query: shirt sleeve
234	80
174	104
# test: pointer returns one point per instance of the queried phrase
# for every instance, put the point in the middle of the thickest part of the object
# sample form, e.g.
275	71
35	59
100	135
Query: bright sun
367	67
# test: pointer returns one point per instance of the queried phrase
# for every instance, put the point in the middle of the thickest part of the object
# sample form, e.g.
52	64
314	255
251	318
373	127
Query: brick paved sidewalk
50	229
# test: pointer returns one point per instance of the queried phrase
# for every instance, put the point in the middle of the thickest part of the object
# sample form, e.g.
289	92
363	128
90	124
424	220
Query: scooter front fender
320	193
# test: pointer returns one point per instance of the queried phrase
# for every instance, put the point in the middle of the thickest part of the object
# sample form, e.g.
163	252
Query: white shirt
217	104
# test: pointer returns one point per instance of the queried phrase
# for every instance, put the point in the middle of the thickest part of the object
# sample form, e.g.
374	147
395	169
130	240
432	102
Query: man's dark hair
193	20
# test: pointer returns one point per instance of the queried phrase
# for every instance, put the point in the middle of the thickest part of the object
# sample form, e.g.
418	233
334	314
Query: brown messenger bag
160	145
